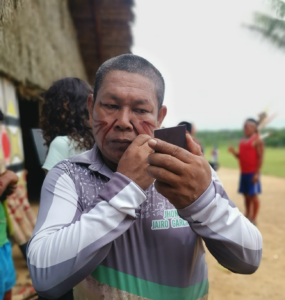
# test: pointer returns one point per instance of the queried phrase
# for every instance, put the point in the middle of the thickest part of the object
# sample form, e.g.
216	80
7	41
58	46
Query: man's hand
133	163
181	176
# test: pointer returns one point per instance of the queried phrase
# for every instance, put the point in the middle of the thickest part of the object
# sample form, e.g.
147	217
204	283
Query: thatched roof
44	40
103	30
38	42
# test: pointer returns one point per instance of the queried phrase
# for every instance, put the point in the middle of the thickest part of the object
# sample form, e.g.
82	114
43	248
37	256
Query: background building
40	42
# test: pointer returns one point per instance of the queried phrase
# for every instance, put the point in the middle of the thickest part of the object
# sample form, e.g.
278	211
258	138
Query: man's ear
161	115
90	106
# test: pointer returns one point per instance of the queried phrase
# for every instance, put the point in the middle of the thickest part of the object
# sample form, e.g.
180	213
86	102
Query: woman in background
65	125
64	120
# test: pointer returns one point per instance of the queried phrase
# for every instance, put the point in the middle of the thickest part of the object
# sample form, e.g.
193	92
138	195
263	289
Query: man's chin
113	155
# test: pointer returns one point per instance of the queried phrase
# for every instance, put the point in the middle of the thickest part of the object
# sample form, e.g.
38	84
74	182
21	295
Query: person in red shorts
250	156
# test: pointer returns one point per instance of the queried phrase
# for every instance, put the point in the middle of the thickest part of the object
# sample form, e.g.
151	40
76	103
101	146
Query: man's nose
124	120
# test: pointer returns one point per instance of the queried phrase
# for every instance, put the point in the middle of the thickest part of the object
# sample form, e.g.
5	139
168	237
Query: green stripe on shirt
148	289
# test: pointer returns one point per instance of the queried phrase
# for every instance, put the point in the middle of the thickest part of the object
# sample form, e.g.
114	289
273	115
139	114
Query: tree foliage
232	137
271	26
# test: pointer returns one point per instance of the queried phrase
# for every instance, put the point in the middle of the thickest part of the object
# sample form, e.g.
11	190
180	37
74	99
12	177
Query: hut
42	41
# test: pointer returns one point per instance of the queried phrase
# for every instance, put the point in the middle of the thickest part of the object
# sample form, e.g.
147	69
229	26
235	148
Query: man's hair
132	64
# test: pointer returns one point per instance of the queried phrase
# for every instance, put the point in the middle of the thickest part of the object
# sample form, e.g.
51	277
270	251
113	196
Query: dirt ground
268	283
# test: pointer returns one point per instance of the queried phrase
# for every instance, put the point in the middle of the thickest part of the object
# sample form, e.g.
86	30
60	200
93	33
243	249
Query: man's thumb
192	146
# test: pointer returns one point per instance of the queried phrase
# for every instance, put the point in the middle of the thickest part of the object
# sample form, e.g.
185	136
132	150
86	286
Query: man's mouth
122	141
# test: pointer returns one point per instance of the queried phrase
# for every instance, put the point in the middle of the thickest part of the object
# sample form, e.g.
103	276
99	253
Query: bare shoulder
259	141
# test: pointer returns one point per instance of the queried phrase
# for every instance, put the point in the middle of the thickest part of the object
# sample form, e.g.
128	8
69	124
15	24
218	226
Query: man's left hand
181	176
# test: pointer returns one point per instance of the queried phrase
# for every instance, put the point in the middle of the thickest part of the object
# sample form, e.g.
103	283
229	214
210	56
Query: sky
217	72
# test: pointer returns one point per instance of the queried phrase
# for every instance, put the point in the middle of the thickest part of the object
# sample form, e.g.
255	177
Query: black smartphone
173	135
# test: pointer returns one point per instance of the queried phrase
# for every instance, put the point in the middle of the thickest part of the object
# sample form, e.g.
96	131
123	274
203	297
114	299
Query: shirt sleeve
231	238
68	242
58	151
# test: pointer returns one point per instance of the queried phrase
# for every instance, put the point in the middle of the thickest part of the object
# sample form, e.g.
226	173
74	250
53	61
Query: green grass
274	160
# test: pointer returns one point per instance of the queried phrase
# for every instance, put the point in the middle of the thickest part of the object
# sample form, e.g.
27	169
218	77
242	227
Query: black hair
132	64
64	112
252	120
188	126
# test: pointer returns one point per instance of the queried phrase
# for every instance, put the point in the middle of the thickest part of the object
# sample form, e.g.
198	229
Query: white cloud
217	72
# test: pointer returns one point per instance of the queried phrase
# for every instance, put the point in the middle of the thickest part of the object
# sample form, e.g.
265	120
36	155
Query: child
8	185
250	158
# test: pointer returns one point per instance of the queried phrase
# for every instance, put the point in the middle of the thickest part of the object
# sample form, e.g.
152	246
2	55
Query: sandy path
268	283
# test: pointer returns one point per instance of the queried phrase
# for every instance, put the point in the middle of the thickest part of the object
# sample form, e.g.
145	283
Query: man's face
249	128
125	106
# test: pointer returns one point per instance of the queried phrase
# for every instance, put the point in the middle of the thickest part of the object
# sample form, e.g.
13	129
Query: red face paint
135	128
102	126
99	125
147	127
106	132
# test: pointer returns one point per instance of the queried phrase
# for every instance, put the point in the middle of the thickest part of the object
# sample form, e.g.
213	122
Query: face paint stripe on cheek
135	128
106	132
100	125
147	127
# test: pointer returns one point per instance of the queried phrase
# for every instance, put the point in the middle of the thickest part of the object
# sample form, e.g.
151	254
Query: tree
271	27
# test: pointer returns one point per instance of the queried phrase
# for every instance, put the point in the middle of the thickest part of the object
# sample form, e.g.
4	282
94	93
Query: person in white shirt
64	120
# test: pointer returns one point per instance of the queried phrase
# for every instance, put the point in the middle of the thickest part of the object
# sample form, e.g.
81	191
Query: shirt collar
93	159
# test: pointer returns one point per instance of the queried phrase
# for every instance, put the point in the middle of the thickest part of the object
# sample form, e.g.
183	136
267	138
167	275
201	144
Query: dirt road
268	283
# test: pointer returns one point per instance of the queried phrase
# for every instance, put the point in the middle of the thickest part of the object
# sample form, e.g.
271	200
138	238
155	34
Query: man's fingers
140	140
167	148
146	148
163	188
167	162
162	175
192	146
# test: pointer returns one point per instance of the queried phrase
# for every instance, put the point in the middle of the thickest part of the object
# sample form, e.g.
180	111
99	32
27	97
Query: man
107	229
250	158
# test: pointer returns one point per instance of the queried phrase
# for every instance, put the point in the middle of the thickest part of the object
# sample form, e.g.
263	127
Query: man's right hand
133	163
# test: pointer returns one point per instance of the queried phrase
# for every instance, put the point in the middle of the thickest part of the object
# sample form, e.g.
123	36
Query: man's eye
141	111
111	106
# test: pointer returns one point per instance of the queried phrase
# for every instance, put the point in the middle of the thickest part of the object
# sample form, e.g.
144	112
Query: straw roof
42	41
38	42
